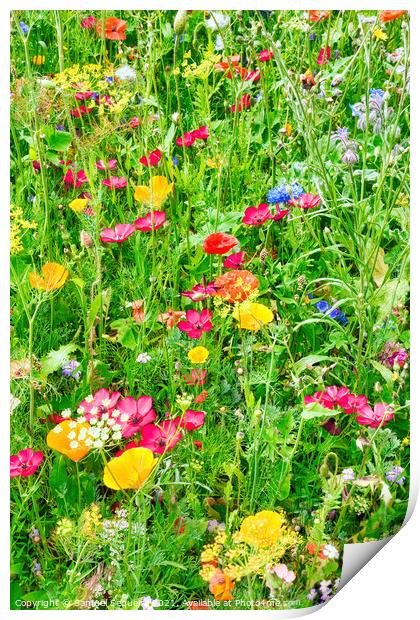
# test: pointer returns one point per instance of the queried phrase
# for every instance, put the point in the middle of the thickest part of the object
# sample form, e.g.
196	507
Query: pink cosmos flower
88	22
280	213
187	139
196	323
378	416
265	55
140	414
244	103
120	233
200	292
152	160
115	183
151	221
191	420
324	56
351	403
195	377
101	165
160	438
25	463
234	261
283	573
70	179
94	406
255	216
202	133
307	201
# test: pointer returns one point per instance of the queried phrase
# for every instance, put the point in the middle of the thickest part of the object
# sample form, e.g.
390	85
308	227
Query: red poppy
316	16
307	201
114	29
139	412
219	243
388	16
75	180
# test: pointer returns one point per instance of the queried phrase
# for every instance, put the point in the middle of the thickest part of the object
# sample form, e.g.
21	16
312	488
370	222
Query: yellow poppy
78	204
69	438
38	60
252	315
155	193
198	355
54	277
380	34
130	470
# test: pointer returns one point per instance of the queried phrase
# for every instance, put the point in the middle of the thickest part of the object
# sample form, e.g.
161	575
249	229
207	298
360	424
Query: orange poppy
69	438
54	277
389	16
236	285
221	586
114	29
316	16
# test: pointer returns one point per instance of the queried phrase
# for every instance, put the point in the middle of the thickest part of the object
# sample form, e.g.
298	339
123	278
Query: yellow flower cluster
18	225
87	76
65	528
90	521
203	70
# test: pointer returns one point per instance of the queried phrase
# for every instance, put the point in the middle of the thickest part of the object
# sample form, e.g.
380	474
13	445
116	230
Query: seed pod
180	22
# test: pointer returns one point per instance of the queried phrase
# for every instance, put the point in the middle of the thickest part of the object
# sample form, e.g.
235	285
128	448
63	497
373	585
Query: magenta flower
151	221
88	22
195	377
101	165
120	233
196	323
187	139
140	414
152	160
328	398
200	292
393	355
25	463
83	95
265	55
115	183
70	179
307	201
378	416
324	56
160	438
255	216
351	403
234	261
94	406
202	133
191	420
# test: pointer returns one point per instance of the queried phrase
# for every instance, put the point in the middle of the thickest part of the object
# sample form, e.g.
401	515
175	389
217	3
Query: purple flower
70	370
394	475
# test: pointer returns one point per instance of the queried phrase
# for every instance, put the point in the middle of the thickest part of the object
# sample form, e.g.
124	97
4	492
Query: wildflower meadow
209	303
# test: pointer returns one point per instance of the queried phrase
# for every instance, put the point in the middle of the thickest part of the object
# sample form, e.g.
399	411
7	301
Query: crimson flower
151	221
200	292
219	243
135	122
191	420
80	111
25	463
75	180
202	133
265	55
328	398
255	216
234	261
196	323
187	139
324	56
94	406
281	213
378	416
139	412
350	403
120	233
160	438
83	95
243	104
115	183
114	29
152	160
101	165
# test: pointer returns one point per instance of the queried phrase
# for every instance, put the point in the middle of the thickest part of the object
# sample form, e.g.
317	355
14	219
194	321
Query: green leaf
56	359
58	477
57	140
385	372
310	360
126	332
315	410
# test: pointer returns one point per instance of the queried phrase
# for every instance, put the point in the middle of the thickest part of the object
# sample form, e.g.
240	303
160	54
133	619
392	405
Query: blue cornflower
278	194
109	79
323	306
60	128
175	160
312	37
24	28
297	190
342	319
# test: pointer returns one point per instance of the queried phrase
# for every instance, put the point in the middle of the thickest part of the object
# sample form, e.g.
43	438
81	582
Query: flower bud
180	22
